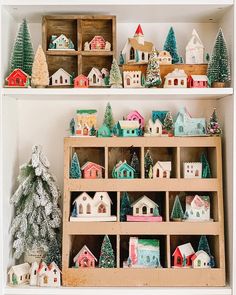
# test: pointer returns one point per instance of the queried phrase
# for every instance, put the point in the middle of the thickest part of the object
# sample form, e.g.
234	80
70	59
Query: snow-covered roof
96	72
84	194
20	269
62	36
84	248
186	250
63	71
199	78
126	124
144	199
194	40
146	47
91	164
164	166
176	73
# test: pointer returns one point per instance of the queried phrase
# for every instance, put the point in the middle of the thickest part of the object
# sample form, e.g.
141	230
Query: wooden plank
97	53
168	253
62	52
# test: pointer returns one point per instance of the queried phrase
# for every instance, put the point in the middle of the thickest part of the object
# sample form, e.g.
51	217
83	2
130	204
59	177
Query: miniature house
197	208
61	43
182	255
126	128
153	128
123	170
83	130
160	115
194	50
104	131
164	58
60	78
201	260
162	169
97	43
81	81
19	274
176	79
197	81
49	276
85	258
143	253
92	170
136	116
18	78
132	79
33	272
143	206
86	118
96	77
185	125
193	170
137	50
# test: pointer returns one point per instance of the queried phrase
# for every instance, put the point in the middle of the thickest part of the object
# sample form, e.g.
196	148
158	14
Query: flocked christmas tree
40	74
125	207
219	65
177	212
171	47
203	245
156	211
206	171
148	162
168	123
153	77
213	127
37	215
115	75
23	54
75	171
135	165
107	257
53	253
108	119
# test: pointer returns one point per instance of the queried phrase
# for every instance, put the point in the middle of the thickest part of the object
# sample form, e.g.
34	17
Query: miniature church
194	50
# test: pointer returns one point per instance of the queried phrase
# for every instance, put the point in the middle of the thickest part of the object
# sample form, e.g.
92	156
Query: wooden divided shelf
80	29
107	151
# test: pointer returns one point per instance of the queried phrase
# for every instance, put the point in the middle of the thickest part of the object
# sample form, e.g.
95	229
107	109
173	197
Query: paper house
86	117
162	169
98	43
60	78
193	170
153	128
61	43
132	79
197	81
176	79
81	81
92	170
194	50
126	128
201	260
104	131
143	253
164	58
85	258
136	116
123	170
197	208
183	255
19	274
97	78
185	125
49	276
136	50
18	78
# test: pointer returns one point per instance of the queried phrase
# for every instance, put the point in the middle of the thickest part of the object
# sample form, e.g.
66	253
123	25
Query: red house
81	81
97	43
85	258
182	255
18	78
92	170
197	81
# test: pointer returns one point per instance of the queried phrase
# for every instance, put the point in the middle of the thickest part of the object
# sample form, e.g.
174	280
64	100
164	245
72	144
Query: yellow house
87	117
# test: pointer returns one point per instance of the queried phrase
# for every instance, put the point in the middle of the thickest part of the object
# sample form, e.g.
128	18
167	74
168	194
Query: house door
175	82
101	209
61	80
164	174
18	81
158	172
158	130
196	173
85	131
94	79
84	262
45	280
144	210
128	81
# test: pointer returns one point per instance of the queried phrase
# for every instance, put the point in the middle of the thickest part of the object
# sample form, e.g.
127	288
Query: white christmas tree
37	215
115	76
40	75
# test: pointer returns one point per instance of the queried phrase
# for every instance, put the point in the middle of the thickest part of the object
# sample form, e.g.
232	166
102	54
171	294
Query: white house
164	58
162	169
201	260
62	43
136	50
132	79
95	78
19	274
176	79
49	276
197	208
193	170
60	78
34	274
143	206
194	50
153	128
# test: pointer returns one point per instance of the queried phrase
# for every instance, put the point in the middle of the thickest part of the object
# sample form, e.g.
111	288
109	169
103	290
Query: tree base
218	84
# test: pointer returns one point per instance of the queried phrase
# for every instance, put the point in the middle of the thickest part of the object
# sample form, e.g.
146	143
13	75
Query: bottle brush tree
156	211
213	127
108	119
177	210
168	123
37	214
153	77
171	47
206	171
75	171
135	165
107	257
219	64
53	253
40	74
22	54
125	208
148	162
115	75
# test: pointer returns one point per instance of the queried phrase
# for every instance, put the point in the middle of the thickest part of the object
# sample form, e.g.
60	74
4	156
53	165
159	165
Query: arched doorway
101	208
144	210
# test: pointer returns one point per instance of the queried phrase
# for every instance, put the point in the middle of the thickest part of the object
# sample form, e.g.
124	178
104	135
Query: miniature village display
19	274
84	258
126	128
60	43
194	50
197	81
153	128
61	78
85	123
136	116
164	58
182	256
98	43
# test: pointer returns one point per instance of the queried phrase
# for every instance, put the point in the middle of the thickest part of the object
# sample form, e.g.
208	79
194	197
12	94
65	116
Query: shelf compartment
67	62
98	61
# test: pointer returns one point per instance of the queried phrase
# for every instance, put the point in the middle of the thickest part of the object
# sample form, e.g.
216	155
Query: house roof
164	53
199	78
97	194
195	40
82	194
185	250
61	70
96	71
164	165
200	253
176	73
156	123
84	248
143	200
149	242
204	199
91	164
121	165
126	124
41	266
53	265
84	112
146	47
139	30
58	38
20	269
14	72
135	113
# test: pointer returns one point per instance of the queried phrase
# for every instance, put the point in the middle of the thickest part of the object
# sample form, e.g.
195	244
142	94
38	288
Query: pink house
97	42
85	258
81	81
136	116
197	81
182	255
92	170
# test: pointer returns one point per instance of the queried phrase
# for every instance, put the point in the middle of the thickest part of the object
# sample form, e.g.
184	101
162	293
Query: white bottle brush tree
40	75
115	75
37	214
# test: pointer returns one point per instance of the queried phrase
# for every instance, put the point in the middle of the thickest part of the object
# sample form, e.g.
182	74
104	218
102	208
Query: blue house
123	170
185	125
127	128
160	115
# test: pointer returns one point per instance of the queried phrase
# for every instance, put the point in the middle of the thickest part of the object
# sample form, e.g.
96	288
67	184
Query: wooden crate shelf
101	150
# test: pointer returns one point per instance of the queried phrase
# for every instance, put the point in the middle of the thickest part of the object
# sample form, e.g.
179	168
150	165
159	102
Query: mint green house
104	131
123	170
127	128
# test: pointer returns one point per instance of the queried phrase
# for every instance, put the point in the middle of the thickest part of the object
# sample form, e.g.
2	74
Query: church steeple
139	35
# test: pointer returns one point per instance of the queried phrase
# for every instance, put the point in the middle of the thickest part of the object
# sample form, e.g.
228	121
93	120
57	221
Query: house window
26	277
81	83
17	81
150	129
131	53
196	173
181	129
127	131
91	173
128	81
101	208
158	172
144	210
134	76
182	82
153	258
178	260
96	172
175	82
137	210
55	271
80	209
199	125
140	121
55	280
132	131
199	263
124	173
143	56
88	209
151	210
65	80
169	82
94	79
56	81
35	272
61	80
158	130
148	259
21	278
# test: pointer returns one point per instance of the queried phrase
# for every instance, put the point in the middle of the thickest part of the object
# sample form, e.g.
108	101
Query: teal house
104	131
127	128
123	170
